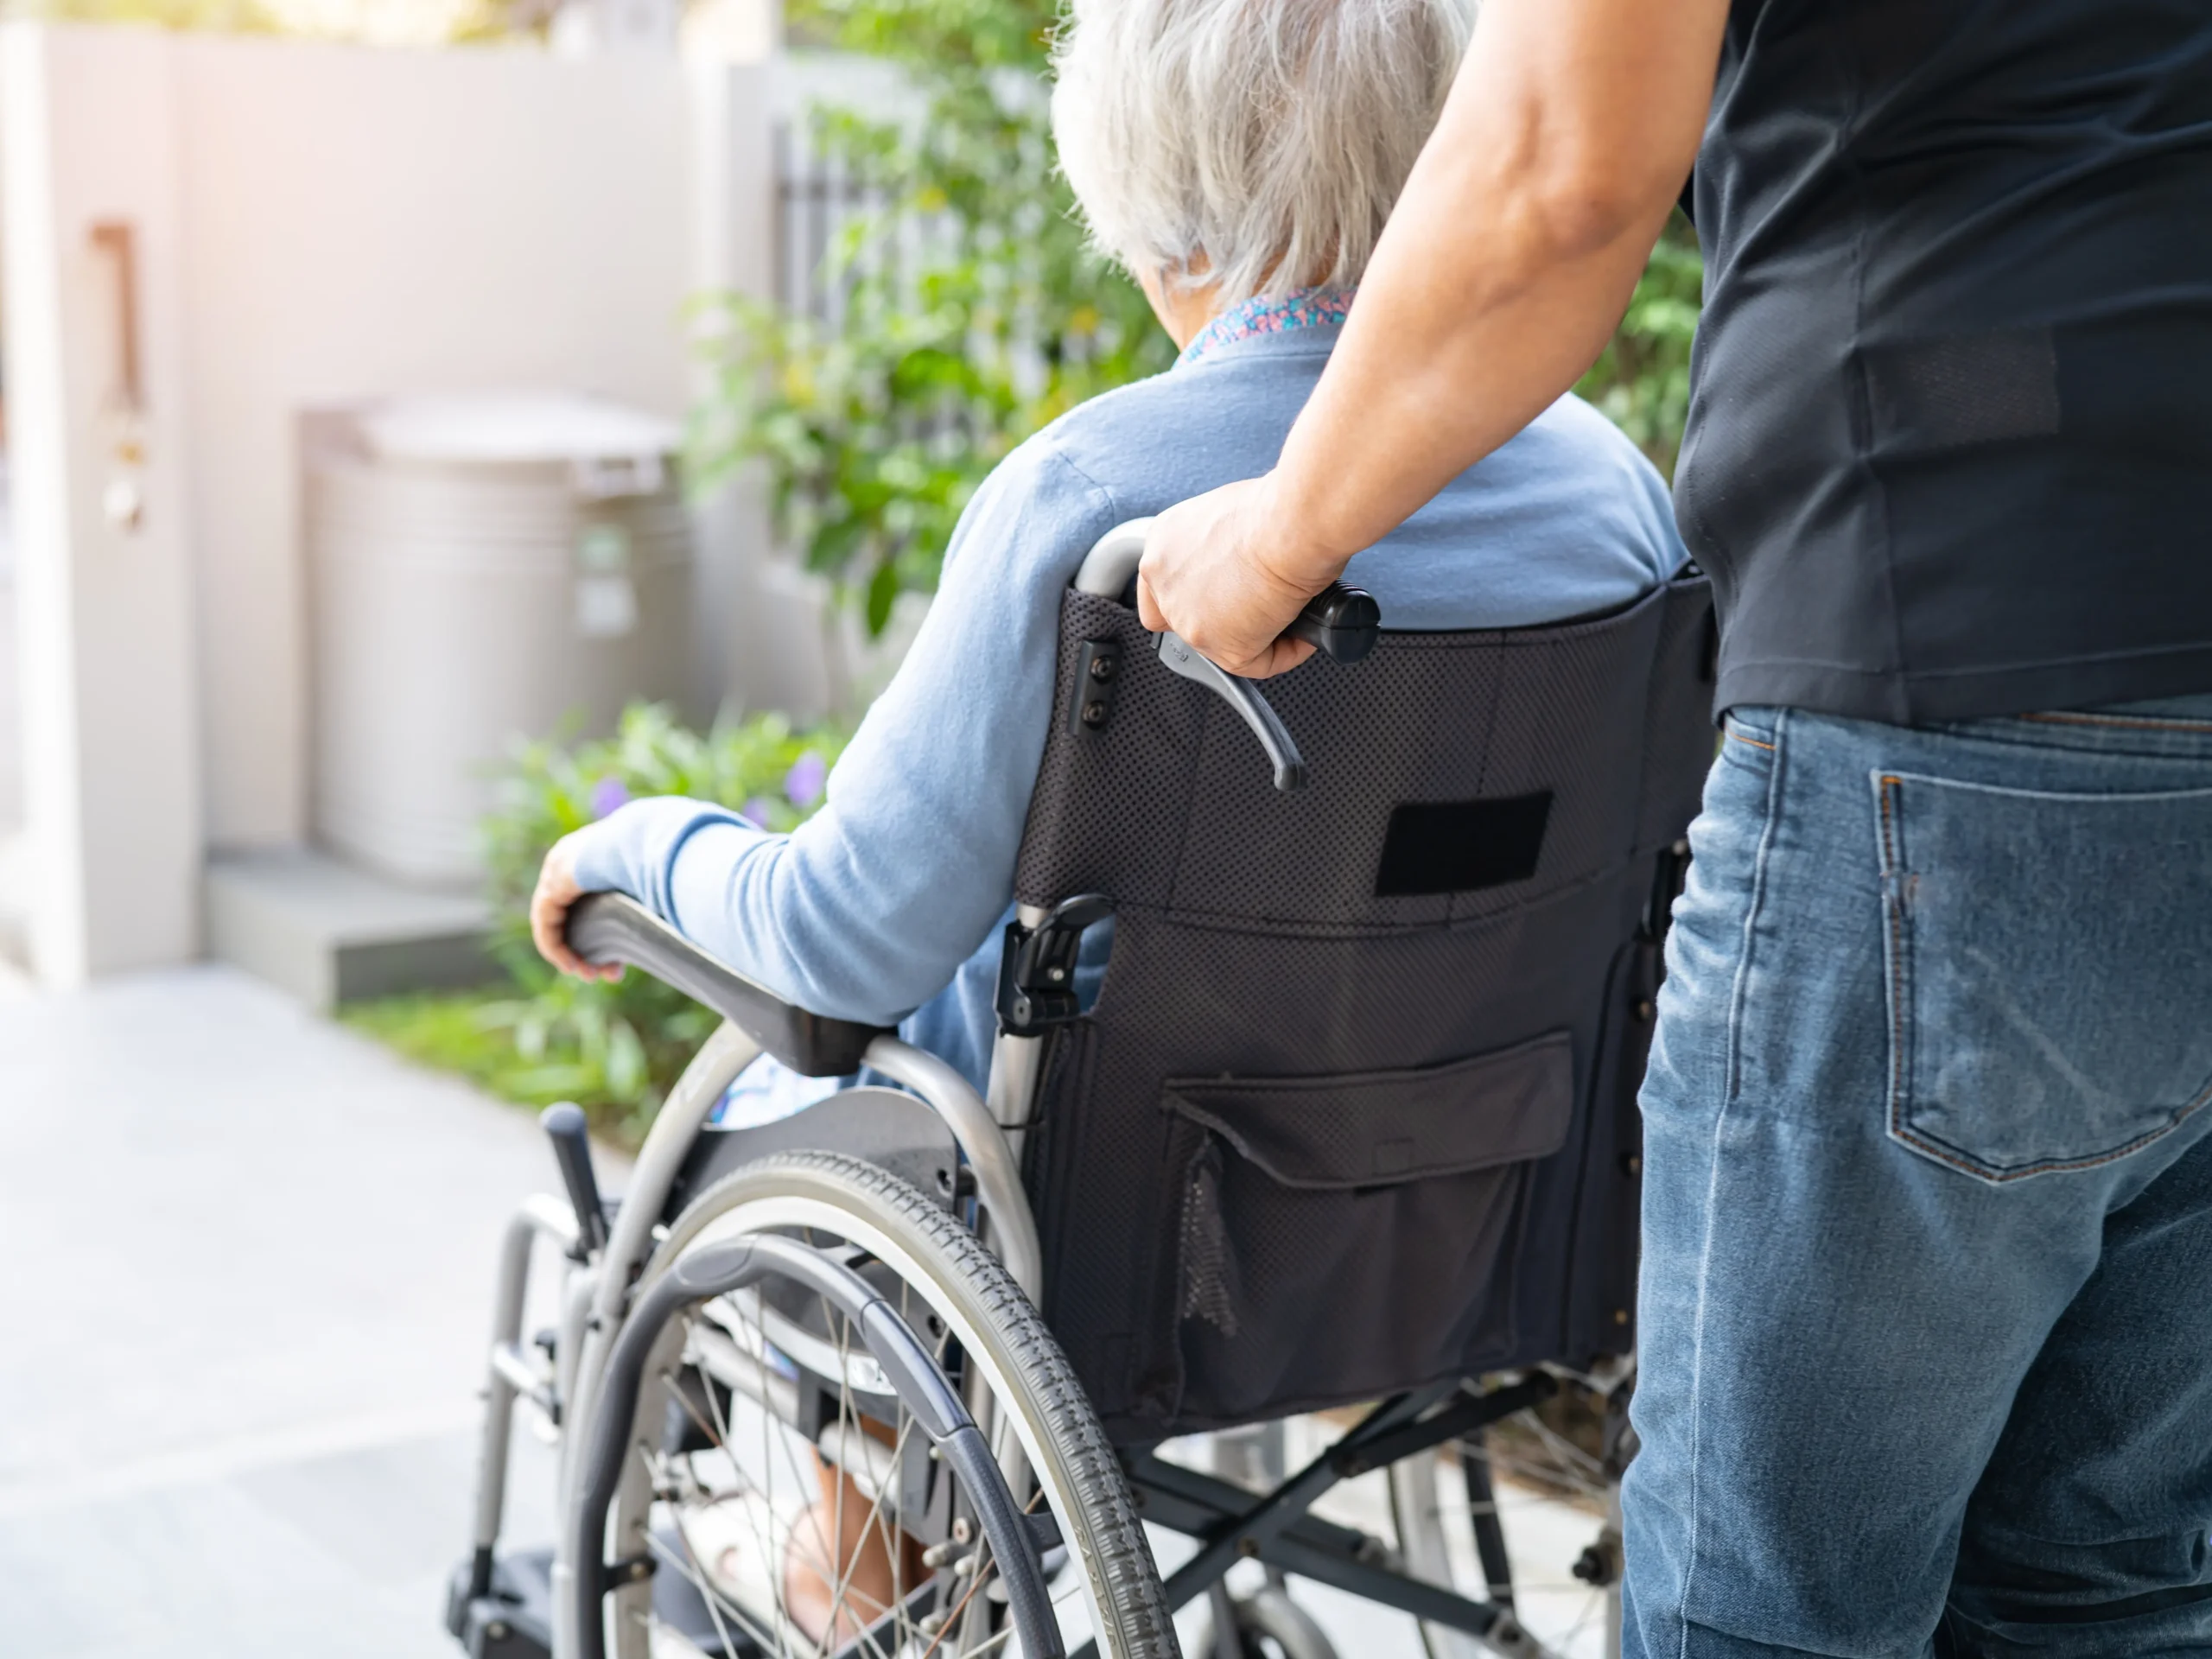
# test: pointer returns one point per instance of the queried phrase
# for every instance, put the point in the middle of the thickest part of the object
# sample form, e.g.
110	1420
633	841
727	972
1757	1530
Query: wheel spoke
960	1608
847	1420
745	1491
893	1538
719	1432
1572	1465
694	1573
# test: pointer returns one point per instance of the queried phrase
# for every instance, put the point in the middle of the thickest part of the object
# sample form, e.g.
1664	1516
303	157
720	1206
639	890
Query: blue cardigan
887	904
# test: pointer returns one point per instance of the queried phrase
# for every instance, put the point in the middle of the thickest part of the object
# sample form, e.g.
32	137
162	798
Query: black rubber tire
1107	1538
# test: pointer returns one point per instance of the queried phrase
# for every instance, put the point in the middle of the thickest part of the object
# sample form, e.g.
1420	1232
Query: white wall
362	222
110	873
319	223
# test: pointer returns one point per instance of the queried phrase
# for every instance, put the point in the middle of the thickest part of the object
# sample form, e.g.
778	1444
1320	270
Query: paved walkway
249	1273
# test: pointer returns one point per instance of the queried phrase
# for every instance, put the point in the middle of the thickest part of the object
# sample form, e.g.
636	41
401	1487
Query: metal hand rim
759	1214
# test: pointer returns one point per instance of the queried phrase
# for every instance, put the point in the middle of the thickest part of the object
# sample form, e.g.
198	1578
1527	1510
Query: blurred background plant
1641	379
229	17
967	311
612	1048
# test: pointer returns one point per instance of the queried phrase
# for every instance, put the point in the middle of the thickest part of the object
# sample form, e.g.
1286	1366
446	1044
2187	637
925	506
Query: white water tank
481	568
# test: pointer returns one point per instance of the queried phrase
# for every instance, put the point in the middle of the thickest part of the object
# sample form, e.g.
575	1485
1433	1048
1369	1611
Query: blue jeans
1926	1316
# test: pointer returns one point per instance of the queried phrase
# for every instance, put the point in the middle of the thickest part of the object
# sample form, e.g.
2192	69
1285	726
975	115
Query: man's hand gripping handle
1341	622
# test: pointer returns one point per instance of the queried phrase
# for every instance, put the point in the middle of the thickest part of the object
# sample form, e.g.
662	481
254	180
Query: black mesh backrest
1348	1114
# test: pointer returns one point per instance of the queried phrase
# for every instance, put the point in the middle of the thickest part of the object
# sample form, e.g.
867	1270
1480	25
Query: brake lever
1341	622
1244	697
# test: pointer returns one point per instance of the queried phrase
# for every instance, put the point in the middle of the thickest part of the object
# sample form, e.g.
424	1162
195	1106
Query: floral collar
1302	308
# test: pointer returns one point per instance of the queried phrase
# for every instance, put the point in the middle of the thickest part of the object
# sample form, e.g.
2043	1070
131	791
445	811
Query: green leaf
882	593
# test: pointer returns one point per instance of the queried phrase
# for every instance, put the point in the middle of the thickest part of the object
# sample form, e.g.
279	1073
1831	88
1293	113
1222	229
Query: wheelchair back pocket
2019	1048
1343	1237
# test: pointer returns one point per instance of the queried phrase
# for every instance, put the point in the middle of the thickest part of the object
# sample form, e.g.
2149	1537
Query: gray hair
1255	144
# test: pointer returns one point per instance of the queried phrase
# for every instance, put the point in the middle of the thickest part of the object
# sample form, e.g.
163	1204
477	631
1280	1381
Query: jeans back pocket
2050	968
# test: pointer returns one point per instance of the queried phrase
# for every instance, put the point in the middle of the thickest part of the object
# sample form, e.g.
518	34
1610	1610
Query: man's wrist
1288	547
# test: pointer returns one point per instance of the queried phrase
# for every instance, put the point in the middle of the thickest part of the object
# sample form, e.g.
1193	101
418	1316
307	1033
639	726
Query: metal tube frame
1231	1524
539	1217
668	1142
597	1305
1011	1227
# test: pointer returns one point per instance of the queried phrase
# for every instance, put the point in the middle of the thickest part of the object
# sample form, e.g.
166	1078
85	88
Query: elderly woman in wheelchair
1264	1097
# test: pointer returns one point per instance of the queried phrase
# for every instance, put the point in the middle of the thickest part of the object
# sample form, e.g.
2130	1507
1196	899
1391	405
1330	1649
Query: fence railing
817	199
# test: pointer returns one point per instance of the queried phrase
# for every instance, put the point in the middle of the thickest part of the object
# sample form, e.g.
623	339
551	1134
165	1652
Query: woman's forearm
1509	259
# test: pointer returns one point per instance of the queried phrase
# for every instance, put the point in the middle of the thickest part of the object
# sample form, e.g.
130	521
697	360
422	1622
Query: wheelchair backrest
1354	1108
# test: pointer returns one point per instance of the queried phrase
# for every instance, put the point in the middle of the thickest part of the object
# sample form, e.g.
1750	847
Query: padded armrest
613	927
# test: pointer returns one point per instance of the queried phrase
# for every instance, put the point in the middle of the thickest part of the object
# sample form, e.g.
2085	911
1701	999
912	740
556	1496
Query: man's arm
1507	263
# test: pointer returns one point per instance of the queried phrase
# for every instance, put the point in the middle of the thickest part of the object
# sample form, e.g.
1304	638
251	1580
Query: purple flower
757	810
802	784
608	795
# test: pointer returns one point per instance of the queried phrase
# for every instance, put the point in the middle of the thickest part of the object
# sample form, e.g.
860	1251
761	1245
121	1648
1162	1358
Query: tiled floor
247	1274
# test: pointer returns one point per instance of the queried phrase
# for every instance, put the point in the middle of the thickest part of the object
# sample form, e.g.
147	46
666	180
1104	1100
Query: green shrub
612	1048
219	16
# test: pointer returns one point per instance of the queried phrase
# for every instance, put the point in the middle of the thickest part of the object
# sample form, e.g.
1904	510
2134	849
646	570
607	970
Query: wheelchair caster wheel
1509	1641
510	1617
1269	1625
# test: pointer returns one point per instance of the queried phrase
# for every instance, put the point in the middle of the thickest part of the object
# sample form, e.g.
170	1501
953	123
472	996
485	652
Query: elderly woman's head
1248	146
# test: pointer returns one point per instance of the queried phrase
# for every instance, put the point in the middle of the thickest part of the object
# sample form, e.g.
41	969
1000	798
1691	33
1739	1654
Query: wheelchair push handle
1341	622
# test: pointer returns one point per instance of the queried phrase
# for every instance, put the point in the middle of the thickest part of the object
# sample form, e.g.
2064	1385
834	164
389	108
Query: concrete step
329	932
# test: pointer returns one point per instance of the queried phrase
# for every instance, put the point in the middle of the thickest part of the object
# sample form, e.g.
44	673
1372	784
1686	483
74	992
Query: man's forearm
1510	258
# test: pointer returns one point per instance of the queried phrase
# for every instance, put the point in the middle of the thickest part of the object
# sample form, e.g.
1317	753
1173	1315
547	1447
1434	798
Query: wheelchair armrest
613	927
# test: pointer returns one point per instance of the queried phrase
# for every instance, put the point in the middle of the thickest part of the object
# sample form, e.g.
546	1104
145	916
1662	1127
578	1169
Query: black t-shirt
1950	439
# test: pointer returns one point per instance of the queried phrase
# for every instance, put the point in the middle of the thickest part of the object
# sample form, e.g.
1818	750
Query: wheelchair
1351	1128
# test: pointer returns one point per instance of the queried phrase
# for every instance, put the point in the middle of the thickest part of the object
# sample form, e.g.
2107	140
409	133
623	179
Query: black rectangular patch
1461	846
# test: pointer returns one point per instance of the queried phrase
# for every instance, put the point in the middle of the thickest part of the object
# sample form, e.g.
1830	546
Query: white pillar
733	213
111	732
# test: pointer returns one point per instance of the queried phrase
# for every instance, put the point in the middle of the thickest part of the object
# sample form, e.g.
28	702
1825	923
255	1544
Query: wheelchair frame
1229	1523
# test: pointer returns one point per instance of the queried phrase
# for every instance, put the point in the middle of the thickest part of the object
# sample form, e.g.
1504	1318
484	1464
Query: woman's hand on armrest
557	889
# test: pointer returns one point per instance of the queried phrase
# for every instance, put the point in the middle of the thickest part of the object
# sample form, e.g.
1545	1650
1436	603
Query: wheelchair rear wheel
781	1479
